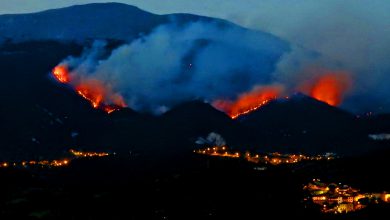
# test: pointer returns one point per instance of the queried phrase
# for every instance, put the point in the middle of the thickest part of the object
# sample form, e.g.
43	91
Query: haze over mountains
114	21
40	117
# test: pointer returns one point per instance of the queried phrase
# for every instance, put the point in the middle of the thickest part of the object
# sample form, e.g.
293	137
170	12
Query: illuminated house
345	207
333	198
385	197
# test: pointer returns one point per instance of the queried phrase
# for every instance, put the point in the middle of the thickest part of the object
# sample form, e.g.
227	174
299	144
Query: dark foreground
189	187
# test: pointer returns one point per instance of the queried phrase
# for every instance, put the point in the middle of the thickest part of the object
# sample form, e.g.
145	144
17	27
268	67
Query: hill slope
302	122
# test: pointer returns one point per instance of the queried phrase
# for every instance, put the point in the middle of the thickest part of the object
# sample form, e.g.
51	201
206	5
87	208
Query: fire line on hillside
100	95
329	87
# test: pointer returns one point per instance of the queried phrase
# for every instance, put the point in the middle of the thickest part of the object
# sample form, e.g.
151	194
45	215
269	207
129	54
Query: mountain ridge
116	21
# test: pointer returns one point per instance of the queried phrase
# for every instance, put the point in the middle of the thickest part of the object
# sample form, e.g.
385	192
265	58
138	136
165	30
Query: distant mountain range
113	21
41	118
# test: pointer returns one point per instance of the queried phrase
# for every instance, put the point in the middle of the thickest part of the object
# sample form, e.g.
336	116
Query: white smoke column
379	137
213	139
216	139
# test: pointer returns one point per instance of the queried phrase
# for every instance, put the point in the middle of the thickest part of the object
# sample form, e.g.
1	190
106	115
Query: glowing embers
100	95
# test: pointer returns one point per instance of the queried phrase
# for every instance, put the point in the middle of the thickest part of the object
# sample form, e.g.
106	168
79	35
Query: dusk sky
320	20
277	16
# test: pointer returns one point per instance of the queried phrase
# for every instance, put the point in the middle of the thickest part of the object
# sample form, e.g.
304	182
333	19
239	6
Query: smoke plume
175	64
235	69
213	139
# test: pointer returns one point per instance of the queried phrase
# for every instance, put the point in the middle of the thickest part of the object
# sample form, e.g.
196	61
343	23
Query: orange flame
95	91
111	108
61	73
329	88
248	102
92	91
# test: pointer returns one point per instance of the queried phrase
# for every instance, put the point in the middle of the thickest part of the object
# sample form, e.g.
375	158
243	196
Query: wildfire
100	95
248	102
329	88
61	73
92	91
111	108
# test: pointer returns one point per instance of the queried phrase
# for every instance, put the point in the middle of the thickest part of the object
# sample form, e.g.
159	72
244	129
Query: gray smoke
351	35
210	61
355	35
175	64
213	139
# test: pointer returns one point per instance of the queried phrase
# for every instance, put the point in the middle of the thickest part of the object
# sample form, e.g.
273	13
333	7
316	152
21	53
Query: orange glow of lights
248	102
329	88
88	154
55	163
61	73
274	158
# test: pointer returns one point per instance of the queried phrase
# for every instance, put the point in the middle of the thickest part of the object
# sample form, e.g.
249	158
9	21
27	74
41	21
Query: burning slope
329	88
326	86
250	101
99	94
61	73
